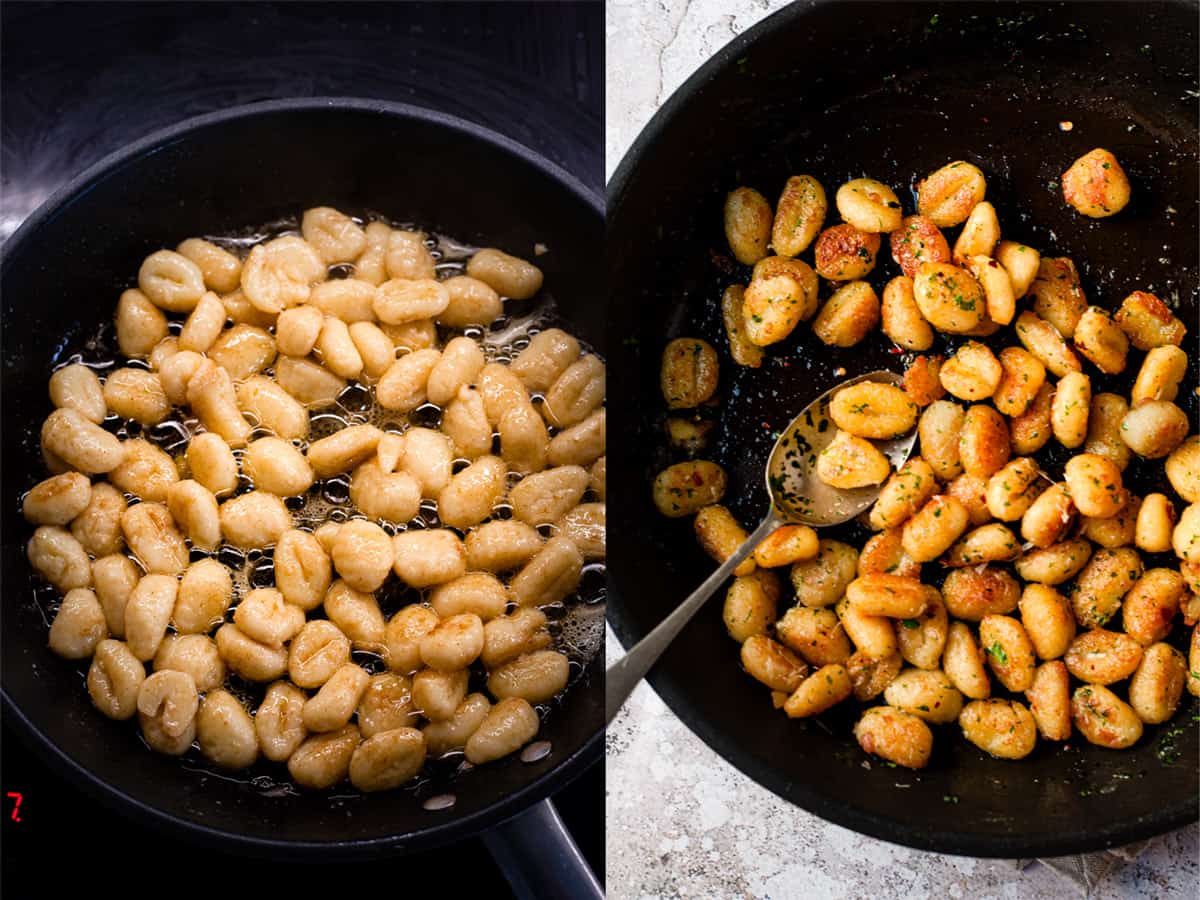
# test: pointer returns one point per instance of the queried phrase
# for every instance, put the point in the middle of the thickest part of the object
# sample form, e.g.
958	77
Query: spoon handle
623	676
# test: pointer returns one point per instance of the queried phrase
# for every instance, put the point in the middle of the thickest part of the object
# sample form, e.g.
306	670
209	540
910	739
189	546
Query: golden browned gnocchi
684	488
1021	377
928	695
949	298
1009	651
844	253
1095	485
822	581
1104	429
896	736
934	528
869	205
772	663
950	194
1057	295
1103	718
971	491
1049	517
980	234
1045	342
1021	262
799	215
901	317
1183	469
1149	322
1069	409
826	687
1050	701
1096	185
922	380
851	462
1046	616
873	410
1153	428
748	224
922	639
988	543
236	500
1003	728
848	316
786	545
781	294
689	373
940	428
918	240
1157	685
869	677
1030	430
963	663
1054	564
973	592
1100	341
750	604
972	373
815	634
905	492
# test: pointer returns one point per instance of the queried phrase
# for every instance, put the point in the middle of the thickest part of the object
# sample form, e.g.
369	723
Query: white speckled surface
681	821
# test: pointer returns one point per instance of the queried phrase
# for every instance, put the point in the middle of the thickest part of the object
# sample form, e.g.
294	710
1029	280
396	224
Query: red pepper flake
895	351
722	262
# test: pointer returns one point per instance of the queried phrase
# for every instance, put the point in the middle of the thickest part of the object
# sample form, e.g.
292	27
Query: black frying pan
62	272
893	91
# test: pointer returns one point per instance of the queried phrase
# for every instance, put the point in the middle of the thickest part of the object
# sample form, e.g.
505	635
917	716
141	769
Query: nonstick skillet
214	175
892	91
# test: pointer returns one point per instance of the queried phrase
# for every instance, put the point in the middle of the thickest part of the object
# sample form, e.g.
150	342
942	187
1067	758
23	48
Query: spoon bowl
797	496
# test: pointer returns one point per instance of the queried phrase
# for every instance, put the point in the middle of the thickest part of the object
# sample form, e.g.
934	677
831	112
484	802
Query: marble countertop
681	821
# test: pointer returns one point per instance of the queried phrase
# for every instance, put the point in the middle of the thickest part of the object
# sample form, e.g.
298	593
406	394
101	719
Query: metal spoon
797	496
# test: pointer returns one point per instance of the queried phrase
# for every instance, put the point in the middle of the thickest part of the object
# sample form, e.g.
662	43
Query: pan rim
503	809
797	794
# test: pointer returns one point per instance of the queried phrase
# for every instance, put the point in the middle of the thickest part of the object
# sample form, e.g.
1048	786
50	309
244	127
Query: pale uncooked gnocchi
280	474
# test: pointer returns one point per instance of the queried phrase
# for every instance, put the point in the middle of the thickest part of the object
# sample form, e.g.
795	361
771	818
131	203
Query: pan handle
539	857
